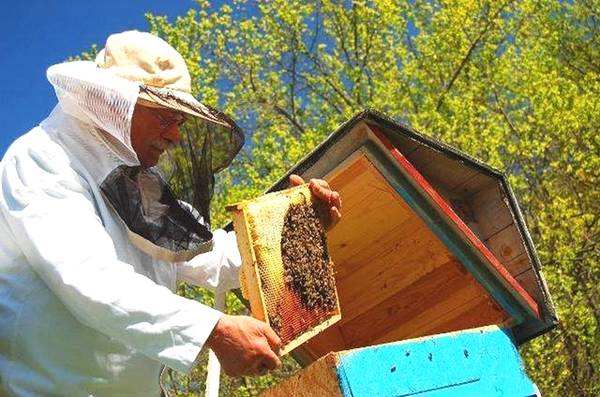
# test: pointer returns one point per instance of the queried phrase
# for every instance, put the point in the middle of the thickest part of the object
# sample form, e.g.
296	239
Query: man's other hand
245	346
321	189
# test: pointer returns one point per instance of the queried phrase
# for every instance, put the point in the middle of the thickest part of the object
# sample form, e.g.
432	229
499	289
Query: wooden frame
251	284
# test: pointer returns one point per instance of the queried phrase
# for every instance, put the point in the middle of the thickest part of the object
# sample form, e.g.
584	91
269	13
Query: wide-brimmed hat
159	69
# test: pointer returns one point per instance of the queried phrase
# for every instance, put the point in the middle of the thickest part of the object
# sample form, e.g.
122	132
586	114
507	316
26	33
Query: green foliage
89	55
514	83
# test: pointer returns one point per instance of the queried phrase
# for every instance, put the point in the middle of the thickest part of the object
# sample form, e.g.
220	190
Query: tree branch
467	56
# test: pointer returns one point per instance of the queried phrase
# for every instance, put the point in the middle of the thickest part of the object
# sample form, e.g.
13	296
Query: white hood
100	99
94	116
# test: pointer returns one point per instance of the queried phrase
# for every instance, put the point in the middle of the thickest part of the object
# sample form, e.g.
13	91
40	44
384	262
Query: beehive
287	274
430	241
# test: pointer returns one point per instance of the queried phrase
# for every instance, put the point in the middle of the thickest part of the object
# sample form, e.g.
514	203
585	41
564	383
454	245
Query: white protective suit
83	312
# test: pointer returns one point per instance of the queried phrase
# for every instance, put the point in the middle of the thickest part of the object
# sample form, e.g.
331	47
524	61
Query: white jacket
82	311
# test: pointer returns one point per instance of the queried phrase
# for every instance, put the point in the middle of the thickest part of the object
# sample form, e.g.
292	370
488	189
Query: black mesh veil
204	150
168	229
167	208
145	199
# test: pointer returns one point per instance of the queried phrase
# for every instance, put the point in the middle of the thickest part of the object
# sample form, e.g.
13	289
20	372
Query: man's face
154	130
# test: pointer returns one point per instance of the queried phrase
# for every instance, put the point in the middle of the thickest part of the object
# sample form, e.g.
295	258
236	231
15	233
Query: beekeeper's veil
136	67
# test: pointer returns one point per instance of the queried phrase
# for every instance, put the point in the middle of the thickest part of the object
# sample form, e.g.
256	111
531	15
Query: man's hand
245	346
321	189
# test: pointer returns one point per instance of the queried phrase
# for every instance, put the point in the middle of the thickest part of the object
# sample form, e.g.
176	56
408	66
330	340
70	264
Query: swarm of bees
276	322
306	261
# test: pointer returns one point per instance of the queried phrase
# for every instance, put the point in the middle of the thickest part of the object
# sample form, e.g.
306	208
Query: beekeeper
92	241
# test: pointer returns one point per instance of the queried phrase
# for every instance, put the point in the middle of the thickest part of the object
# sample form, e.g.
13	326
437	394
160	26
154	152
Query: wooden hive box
287	274
430	241
478	362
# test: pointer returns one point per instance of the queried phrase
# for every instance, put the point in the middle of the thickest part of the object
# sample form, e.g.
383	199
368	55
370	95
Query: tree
514	83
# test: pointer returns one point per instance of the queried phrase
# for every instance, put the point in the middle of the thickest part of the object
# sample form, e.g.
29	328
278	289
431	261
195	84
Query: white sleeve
217	269
52	217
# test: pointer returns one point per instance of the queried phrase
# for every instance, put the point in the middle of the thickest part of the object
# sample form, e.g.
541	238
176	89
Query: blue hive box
477	362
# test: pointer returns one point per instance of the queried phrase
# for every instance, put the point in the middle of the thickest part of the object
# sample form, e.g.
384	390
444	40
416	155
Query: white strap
214	366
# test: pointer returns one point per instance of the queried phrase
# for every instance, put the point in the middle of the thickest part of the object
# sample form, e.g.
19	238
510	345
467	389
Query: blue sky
36	34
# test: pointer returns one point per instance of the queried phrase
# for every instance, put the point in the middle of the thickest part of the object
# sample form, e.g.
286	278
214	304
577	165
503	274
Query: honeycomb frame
258	224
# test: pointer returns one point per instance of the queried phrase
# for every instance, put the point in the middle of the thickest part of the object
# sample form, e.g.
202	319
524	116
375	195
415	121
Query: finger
270	360
336	200
321	189
261	369
296	180
272	338
334	216
320	182
228	371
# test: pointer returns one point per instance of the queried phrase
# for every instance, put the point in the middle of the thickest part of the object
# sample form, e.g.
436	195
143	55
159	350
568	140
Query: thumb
296	180
273	339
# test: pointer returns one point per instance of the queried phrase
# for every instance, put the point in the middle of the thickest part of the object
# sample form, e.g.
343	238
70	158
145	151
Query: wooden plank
529	280
328	341
518	265
249	281
318	379
456	305
478	312
423	308
471	258
439	169
491	211
396	261
342	149
492	264
474	185
405	144
463	209
378	229
500	234
506	244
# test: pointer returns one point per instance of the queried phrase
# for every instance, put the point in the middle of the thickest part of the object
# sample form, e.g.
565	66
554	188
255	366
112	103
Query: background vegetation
514	83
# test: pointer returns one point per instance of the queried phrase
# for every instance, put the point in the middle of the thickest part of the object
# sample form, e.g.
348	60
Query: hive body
286	275
470	363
